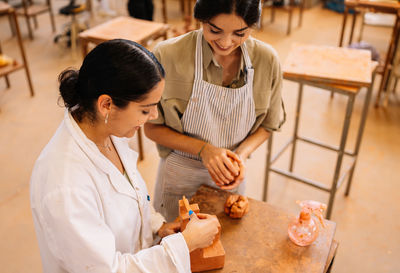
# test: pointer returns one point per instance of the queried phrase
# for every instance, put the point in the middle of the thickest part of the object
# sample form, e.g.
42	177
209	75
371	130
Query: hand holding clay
200	231
218	162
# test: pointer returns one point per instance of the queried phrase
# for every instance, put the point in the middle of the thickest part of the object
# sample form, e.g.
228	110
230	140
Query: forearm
252	142
172	139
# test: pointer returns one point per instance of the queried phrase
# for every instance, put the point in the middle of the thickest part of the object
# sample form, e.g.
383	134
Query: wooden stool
335	69
289	8
6	9
31	10
140	31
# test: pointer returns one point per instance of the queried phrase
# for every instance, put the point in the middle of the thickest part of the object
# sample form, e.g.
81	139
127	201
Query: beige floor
368	221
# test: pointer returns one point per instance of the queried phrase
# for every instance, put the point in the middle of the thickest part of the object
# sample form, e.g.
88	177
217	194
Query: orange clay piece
236	206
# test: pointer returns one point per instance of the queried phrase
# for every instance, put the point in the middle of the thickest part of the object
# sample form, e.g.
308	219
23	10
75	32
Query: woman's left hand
168	229
239	179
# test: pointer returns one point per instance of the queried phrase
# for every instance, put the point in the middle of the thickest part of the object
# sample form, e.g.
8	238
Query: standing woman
90	206
222	99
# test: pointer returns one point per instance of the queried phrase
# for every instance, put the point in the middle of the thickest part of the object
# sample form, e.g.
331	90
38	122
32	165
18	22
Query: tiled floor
368	221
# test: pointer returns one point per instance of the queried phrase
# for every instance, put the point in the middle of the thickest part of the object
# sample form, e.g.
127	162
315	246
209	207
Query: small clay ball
236	206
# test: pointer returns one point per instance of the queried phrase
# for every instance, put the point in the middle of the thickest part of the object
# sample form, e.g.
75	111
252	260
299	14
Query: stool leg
35	22
360	131
296	127
267	167
164	11
352	26
140	144
301	9
345	131
12	26
21	46
182	4
53	23
28	22
73	37
362	26
272	14
346	11
391	50
290	20
7	81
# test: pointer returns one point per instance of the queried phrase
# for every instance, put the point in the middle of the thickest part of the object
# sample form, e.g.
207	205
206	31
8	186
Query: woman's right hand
218	164
200	231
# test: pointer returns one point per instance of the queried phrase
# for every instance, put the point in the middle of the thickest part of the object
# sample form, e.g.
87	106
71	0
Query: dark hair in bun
122	69
248	10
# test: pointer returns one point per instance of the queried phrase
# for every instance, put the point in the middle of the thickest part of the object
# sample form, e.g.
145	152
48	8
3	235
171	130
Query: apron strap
199	57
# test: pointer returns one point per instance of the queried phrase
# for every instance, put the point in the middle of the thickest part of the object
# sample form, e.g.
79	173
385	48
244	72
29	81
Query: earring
106	119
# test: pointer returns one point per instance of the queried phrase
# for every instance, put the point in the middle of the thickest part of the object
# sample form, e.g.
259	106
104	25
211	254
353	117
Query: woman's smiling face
225	33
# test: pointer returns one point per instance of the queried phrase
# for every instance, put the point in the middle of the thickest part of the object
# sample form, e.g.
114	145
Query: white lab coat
88	218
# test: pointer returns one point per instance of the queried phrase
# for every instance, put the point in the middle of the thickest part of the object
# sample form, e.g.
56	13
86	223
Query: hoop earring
106	119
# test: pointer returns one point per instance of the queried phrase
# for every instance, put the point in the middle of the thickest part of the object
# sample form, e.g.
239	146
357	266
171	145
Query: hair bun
68	80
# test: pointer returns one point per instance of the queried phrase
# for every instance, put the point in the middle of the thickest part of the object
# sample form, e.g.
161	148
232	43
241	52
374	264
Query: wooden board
259	242
326	64
123	28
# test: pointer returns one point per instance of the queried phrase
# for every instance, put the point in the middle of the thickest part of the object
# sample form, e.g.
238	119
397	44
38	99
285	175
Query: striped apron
216	114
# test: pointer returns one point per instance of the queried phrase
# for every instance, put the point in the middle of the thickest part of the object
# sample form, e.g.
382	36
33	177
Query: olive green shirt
177	55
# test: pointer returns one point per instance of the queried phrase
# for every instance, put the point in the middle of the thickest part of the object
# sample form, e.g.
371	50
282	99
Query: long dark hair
122	69
248	10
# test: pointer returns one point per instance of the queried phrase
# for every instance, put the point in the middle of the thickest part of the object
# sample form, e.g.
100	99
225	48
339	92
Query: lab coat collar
128	158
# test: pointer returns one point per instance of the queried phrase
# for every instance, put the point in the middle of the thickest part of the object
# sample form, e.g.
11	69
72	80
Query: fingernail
190	212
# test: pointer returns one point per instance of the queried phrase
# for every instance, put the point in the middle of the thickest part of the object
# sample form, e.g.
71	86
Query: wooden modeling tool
202	259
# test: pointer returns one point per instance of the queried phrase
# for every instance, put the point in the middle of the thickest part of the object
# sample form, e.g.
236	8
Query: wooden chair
6	9
29	10
288	8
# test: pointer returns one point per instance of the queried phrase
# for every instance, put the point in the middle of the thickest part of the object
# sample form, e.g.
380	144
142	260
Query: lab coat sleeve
82	242
160	258
157	220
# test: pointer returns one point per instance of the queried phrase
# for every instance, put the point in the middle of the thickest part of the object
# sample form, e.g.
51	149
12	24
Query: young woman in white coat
91	208
222	99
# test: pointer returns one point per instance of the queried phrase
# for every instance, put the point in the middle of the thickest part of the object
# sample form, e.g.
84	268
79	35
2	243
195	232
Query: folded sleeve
276	114
157	220
160	119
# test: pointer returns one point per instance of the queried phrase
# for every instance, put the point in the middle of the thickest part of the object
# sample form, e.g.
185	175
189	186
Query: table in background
259	241
391	7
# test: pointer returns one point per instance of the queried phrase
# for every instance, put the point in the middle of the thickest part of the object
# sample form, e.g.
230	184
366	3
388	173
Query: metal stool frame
338	179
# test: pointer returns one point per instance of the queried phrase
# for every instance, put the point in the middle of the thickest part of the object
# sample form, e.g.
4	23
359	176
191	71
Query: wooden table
6	9
259	242
336	69
140	31
391	7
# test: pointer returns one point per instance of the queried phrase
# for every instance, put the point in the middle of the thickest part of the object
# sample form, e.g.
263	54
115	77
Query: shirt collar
208	58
